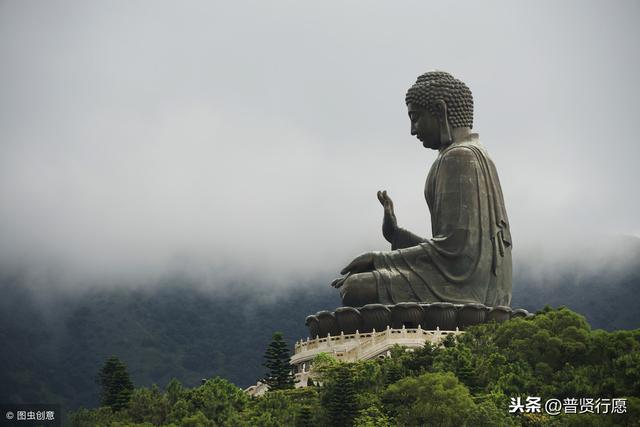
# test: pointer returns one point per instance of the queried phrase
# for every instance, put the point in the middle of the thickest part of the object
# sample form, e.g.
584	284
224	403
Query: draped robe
468	259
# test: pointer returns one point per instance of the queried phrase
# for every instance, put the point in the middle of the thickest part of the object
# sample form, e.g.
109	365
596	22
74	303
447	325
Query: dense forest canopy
469	380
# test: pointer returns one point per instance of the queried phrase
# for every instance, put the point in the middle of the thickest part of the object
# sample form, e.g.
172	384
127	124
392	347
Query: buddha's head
438	103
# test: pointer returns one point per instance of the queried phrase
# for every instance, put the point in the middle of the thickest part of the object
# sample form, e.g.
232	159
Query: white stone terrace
360	346
353	347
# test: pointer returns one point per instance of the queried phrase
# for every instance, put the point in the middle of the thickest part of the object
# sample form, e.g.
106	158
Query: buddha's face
425	126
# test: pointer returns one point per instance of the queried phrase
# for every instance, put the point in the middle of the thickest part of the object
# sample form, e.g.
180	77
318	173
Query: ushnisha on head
440	107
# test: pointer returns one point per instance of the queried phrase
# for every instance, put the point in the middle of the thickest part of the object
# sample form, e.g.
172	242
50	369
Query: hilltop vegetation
467	381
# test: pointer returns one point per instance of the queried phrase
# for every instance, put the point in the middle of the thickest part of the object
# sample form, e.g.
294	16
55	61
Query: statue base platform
432	316
350	334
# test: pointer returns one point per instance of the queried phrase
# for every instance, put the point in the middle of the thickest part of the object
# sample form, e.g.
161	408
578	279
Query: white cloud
140	137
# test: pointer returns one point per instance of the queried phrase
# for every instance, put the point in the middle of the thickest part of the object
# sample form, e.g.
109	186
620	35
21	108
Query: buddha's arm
403	238
397	236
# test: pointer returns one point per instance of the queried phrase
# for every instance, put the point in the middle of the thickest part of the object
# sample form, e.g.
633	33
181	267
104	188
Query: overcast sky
139	138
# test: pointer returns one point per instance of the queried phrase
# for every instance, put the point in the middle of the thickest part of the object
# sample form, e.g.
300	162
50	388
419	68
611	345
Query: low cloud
129	152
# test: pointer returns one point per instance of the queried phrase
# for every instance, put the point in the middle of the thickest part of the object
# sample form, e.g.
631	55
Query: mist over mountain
599	279
55	341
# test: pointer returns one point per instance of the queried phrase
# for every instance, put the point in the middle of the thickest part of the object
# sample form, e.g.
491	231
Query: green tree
219	400
305	417
297	407
116	386
430	399
392	370
274	409
197	420
279	376
421	359
371	417
339	396
149	405
458	359
175	391
181	409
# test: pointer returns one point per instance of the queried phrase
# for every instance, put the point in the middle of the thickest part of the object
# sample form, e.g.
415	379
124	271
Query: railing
353	345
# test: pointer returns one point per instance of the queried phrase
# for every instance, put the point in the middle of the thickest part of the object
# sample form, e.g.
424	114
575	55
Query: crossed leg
359	289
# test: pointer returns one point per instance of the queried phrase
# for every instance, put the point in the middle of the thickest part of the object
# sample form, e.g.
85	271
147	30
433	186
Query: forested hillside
55	342
469	381
173	331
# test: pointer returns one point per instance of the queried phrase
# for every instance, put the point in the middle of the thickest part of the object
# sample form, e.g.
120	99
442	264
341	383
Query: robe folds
468	259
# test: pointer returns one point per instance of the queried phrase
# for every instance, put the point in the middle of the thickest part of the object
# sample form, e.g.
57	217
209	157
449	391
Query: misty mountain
53	343
601	280
175	330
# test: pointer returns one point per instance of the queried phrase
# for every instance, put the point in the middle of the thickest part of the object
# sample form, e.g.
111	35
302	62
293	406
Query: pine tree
305	417
393	373
116	385
279	376
465	373
340	397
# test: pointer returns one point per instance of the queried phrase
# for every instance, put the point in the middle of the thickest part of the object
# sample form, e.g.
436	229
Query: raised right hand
389	221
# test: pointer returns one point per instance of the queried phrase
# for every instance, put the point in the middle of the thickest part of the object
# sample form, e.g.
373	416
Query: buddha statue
468	257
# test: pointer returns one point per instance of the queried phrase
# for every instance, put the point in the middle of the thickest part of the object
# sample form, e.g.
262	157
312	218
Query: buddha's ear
441	108
445	131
